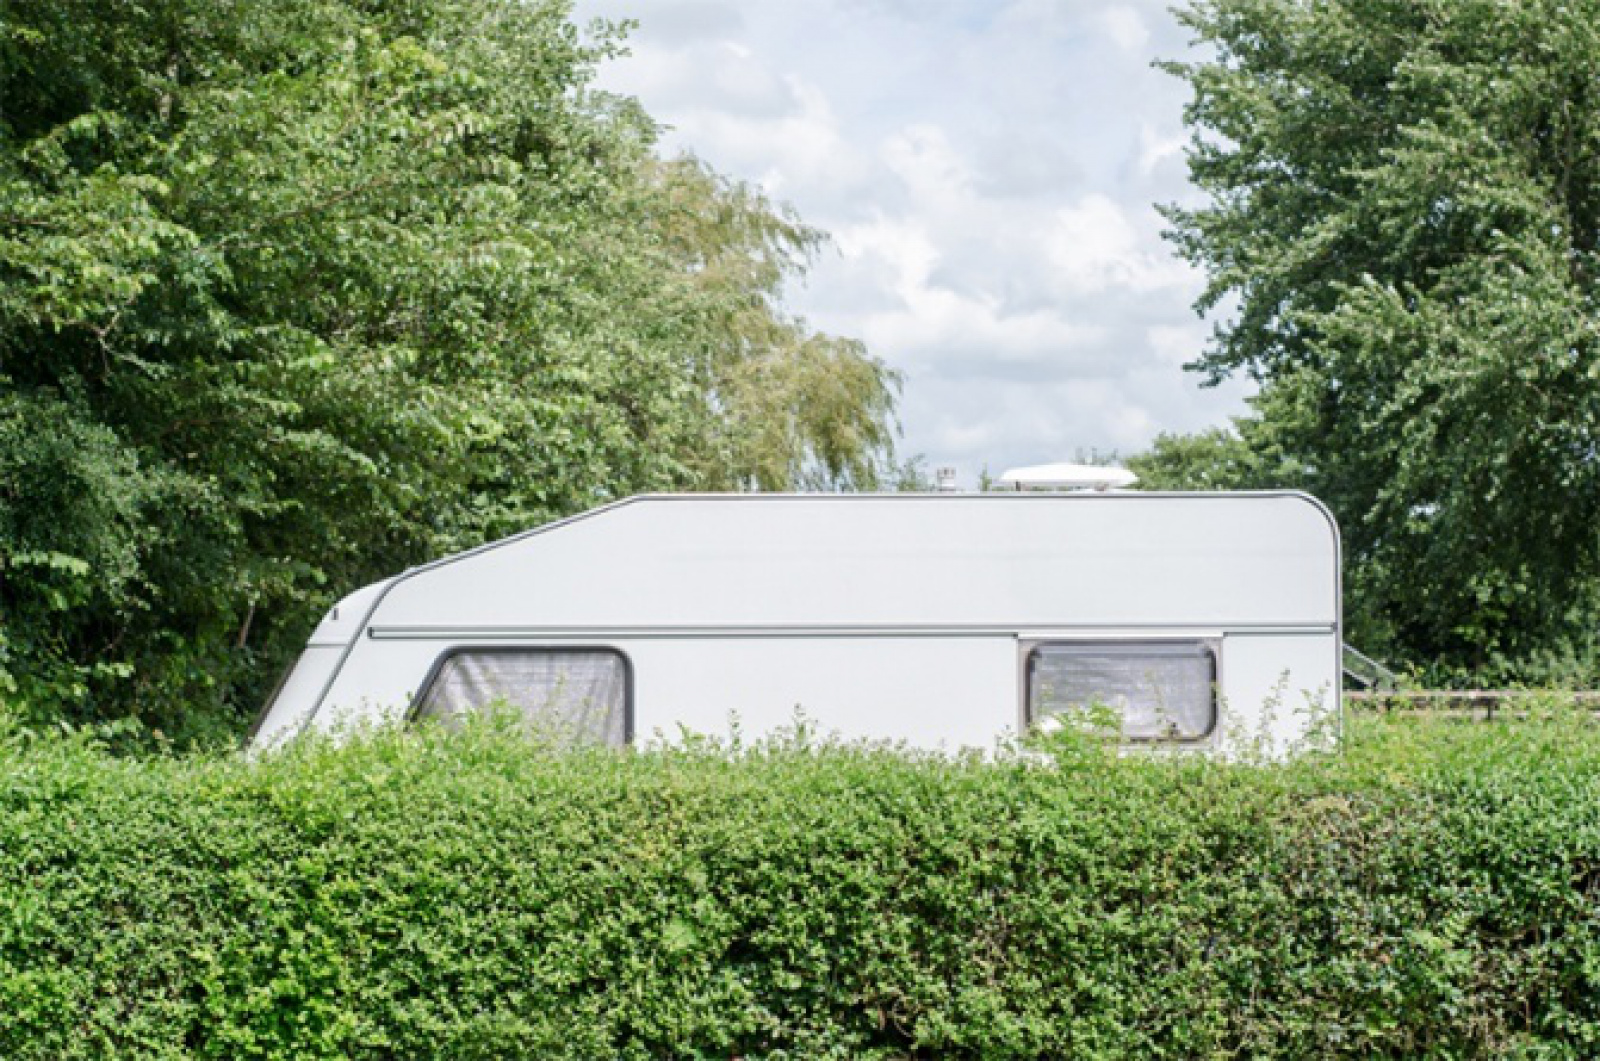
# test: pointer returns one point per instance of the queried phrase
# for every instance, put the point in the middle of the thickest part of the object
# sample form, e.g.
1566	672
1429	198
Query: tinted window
577	696
1160	691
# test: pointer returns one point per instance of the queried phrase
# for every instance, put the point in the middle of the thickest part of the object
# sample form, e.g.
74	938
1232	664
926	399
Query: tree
795	408
1404	206
1218	459
303	292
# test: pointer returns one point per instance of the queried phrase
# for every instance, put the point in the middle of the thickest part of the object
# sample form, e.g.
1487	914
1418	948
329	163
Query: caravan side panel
297	696
930	692
1280	691
917	561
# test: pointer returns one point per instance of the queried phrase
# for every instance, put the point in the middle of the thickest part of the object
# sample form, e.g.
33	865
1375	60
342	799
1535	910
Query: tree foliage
1216	459
293	294
1403	220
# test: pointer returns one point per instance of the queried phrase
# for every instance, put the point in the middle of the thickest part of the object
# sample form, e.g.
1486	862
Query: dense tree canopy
1402	224
293	294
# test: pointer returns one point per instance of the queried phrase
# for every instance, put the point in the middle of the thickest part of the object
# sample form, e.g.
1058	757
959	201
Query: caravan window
574	696
1160	690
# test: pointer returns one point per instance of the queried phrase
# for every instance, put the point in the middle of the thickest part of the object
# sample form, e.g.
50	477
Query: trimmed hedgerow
1432	891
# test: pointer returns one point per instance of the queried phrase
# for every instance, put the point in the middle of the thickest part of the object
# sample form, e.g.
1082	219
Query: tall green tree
296	293
1237	458
1403	221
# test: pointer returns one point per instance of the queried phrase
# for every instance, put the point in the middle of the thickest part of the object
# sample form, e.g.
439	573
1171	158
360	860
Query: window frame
1211	646
502	649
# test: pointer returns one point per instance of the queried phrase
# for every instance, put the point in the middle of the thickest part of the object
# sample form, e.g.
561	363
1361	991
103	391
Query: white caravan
943	621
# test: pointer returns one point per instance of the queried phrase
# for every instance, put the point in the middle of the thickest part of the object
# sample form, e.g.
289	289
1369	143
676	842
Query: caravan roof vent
1068	477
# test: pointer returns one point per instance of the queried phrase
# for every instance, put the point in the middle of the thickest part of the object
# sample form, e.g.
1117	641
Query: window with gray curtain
570	696
1160	691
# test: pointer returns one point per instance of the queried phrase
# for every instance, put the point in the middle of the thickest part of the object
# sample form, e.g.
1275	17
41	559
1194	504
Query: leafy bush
1430	892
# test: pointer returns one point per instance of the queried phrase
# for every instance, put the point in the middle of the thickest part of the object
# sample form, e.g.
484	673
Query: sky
988	173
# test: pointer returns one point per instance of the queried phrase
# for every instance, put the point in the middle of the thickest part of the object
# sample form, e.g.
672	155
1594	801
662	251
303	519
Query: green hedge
1433	891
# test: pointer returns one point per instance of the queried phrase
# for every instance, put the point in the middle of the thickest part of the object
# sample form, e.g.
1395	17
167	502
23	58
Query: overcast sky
988	172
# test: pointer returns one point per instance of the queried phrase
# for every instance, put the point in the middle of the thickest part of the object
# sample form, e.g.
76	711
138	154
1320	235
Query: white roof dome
1068	477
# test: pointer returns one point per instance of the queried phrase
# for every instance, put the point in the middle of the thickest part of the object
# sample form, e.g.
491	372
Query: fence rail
1476	703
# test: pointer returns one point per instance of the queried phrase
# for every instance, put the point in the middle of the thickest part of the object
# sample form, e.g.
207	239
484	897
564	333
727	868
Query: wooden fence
1486	704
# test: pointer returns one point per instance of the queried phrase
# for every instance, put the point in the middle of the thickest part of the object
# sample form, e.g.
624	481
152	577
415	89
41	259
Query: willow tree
1403	215
293	294
794	408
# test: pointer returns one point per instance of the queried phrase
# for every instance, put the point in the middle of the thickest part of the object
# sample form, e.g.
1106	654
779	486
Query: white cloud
933	173
1094	246
988	171
1126	28
1175	345
1157	151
